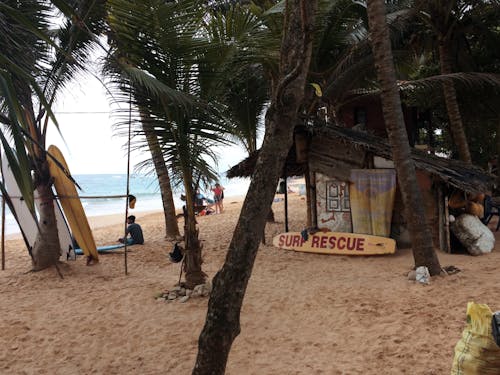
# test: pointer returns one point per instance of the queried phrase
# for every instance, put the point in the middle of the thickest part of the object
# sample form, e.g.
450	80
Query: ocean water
144	187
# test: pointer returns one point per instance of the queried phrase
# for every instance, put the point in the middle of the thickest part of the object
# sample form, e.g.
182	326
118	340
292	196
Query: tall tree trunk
167	198
496	190
421	237
192	246
46	250
223	317
450	97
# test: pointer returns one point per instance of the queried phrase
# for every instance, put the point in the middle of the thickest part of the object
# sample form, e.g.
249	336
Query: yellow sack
476	353
476	209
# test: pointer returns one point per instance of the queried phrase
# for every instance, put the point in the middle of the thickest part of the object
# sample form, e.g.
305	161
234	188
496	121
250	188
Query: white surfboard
25	219
27	222
65	238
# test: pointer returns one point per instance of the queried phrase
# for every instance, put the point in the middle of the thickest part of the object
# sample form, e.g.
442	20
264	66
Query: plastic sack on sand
476	353
422	275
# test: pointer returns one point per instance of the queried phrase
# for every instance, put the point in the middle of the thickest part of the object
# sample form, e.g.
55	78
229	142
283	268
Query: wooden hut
351	184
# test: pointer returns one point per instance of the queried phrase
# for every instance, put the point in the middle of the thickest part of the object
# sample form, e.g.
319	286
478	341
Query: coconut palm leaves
23	27
157	52
159	65
37	56
244	59
449	29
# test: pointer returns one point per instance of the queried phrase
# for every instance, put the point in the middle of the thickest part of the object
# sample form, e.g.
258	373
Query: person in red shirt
218	198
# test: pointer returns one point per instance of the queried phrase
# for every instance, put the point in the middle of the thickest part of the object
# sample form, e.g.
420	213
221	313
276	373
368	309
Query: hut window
360	116
337	196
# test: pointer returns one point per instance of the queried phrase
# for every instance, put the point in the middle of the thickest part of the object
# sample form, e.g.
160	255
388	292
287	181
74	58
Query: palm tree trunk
223	317
192	246
420	233
167	198
497	187
450	97
46	250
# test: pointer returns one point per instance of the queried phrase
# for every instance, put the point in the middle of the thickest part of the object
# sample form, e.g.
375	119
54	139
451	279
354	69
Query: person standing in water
218	198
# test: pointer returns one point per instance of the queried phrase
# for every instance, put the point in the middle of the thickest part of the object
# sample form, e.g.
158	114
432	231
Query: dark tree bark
223	317
450	97
167	198
192	246
497	187
270	216
420	233
443	17
46	249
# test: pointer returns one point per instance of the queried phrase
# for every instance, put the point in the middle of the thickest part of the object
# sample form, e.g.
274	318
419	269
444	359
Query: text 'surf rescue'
323	242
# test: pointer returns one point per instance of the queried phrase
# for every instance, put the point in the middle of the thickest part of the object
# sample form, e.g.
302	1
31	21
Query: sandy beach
302	314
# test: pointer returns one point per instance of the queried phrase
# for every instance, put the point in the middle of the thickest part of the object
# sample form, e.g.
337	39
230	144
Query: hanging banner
335	243
372	192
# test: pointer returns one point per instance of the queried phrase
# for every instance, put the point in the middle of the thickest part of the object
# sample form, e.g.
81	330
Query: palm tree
449	22
342	58
130	51
243	61
171	226
465	33
246	96
157	63
37	60
245	66
421	237
222	324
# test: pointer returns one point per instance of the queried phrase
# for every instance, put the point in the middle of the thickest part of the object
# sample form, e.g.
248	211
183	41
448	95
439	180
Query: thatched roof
453	172
246	166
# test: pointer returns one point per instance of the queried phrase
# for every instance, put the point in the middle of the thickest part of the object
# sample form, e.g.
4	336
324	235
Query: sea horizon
144	187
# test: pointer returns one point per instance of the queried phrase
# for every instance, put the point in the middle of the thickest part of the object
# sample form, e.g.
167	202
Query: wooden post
447	225
307	178
301	147
314	212
128	182
286	202
3	233
441	218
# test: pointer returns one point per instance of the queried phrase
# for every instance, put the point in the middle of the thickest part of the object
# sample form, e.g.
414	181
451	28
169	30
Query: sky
88	143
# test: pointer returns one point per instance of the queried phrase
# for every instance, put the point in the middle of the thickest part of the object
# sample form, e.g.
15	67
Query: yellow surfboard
336	243
71	204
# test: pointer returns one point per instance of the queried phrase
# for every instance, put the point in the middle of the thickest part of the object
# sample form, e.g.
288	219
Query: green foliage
38	55
244	62
159	64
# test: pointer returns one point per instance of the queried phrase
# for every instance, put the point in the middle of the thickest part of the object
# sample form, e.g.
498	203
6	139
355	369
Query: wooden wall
334	160
375	123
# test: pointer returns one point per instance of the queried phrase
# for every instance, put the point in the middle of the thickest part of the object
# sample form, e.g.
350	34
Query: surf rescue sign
336	243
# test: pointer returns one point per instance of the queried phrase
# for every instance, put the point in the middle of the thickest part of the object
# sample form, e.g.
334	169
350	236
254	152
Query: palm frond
155	87
469	81
16	154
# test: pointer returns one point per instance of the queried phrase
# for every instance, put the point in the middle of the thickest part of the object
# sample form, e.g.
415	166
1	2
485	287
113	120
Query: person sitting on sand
202	204
135	232
201	200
